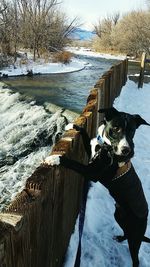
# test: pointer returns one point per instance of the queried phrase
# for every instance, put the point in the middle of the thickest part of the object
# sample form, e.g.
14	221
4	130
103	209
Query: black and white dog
110	164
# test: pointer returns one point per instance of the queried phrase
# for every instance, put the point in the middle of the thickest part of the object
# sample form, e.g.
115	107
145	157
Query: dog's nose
126	150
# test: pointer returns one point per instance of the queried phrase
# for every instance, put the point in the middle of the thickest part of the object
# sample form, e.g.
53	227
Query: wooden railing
35	229
141	76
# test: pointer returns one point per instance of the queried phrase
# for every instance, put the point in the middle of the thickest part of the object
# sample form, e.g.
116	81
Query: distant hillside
81	34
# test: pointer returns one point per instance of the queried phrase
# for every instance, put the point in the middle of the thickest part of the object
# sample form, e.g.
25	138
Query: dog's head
118	131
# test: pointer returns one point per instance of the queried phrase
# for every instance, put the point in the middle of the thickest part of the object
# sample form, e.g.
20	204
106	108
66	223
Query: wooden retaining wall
36	227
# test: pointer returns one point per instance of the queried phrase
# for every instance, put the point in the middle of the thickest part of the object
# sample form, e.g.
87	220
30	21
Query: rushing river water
27	130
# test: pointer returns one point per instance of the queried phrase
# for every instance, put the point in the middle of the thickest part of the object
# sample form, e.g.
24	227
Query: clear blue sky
89	11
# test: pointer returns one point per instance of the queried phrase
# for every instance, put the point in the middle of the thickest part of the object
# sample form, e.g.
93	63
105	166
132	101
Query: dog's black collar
122	170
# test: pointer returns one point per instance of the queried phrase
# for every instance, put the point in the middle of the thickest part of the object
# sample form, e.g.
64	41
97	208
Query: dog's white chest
94	143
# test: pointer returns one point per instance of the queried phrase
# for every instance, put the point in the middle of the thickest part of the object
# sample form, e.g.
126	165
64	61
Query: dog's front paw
52	160
72	126
69	127
119	238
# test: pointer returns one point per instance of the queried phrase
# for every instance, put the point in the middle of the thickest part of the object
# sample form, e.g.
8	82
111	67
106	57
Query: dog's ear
109	113
139	121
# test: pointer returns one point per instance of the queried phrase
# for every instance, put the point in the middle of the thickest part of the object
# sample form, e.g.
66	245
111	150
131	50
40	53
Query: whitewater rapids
27	134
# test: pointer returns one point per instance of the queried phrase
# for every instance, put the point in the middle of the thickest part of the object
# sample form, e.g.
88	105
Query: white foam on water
13	178
27	133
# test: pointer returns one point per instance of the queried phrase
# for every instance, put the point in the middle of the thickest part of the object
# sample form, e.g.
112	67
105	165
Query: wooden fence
144	60
35	229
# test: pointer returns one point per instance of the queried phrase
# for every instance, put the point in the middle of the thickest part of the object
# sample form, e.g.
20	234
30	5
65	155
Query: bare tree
132	33
115	18
34	17
4	28
104	29
33	24
129	34
43	25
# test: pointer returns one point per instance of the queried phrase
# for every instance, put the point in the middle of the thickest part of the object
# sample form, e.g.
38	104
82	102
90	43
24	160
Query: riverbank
31	68
25	66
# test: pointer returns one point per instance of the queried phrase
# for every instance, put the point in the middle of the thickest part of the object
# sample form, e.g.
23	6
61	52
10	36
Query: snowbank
87	52
43	68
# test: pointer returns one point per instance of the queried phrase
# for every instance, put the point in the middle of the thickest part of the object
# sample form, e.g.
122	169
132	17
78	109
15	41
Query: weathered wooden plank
142	69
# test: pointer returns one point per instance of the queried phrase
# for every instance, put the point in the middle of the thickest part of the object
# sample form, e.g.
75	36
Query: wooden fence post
142	69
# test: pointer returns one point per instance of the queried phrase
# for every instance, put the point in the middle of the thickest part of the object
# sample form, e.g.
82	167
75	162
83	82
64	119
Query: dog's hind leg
134	247
120	238
121	220
136	231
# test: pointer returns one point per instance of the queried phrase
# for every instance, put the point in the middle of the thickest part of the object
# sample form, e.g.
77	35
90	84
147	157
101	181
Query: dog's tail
146	239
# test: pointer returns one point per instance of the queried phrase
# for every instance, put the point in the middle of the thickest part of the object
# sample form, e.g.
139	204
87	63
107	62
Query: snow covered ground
40	67
89	53
98	247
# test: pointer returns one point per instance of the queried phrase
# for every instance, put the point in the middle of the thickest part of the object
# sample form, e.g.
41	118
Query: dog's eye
117	129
